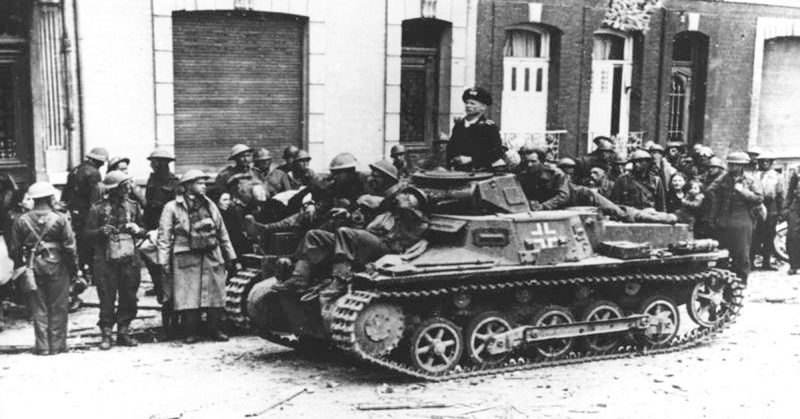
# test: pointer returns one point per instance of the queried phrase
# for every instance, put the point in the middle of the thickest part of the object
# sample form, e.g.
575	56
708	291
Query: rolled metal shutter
779	120
238	79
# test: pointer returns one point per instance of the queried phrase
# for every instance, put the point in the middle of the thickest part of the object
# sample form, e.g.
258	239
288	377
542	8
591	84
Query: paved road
751	371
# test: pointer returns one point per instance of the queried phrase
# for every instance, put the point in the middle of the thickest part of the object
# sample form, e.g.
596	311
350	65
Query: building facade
723	73
39	109
199	76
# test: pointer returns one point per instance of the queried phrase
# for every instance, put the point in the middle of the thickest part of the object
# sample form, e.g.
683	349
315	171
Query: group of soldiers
199	228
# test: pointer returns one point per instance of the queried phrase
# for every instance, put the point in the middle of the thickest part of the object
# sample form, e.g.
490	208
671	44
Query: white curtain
520	43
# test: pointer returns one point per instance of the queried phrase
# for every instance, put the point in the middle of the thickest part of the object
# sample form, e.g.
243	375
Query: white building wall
353	71
115	47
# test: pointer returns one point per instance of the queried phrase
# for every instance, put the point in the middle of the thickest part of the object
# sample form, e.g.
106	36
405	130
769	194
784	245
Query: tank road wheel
436	346
552	316
601	310
480	330
709	302
378	328
664	320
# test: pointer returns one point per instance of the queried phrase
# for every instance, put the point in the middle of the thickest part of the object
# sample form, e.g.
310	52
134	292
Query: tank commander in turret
475	141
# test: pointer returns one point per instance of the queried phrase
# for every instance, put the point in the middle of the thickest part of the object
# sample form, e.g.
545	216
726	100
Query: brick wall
731	28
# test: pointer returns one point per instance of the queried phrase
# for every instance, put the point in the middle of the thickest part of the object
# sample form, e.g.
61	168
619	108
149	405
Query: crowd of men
199	228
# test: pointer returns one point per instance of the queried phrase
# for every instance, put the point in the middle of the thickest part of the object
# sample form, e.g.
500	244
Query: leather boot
299	280
105	338
191	319
213	316
124	336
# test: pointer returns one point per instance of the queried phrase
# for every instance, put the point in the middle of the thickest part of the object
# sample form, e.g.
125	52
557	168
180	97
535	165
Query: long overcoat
198	276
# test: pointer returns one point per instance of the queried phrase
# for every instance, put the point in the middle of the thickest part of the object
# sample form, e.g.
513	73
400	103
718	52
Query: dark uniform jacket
116	214
480	141
729	206
221	182
547	185
158	191
58	241
81	189
639	193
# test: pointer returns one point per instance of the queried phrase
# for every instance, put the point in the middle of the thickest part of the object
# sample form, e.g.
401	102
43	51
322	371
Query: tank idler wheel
553	316
436	345
664	320
709	302
480	329
379	328
596	311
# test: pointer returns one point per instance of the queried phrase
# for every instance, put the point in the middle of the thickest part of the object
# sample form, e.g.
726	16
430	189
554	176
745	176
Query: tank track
351	304
236	291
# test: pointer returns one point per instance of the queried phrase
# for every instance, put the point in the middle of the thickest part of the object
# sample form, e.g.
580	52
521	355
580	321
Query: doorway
612	68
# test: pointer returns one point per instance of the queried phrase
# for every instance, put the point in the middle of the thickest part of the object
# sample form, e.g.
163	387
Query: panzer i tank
501	288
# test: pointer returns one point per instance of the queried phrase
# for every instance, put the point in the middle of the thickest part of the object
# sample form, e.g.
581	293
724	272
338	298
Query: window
523	43
608	47
677	106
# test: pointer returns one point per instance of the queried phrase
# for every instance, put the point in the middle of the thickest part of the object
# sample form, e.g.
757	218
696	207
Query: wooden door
16	141
418	90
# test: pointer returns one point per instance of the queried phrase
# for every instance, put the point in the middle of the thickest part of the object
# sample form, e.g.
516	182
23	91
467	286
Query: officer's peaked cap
477	93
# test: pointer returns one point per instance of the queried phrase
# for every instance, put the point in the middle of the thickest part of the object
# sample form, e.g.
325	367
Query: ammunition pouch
120	247
203	235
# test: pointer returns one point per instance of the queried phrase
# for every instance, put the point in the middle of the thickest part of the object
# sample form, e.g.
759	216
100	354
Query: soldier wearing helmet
398	154
661	167
289	155
345	183
640	188
675	152
438	157
764	234
113	227
79	194
45	241
262	164
161	187
602	156
735	196
475	140
193	244
242	157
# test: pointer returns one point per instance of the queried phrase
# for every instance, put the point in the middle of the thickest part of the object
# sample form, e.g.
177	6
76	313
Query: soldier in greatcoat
193	244
43	238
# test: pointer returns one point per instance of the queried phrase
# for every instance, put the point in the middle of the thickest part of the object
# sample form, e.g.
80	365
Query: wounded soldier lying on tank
584	196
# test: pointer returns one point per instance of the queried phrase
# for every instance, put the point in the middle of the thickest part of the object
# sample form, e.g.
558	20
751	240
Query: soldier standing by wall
113	226
44	238
193	244
764	235
398	154
733	199
79	195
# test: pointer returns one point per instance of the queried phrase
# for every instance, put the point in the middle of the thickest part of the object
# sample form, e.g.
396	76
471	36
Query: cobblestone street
746	372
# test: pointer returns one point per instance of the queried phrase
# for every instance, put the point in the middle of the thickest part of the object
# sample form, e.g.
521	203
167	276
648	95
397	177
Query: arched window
687	89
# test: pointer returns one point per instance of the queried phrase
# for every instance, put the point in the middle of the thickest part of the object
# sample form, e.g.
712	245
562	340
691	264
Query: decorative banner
630	15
